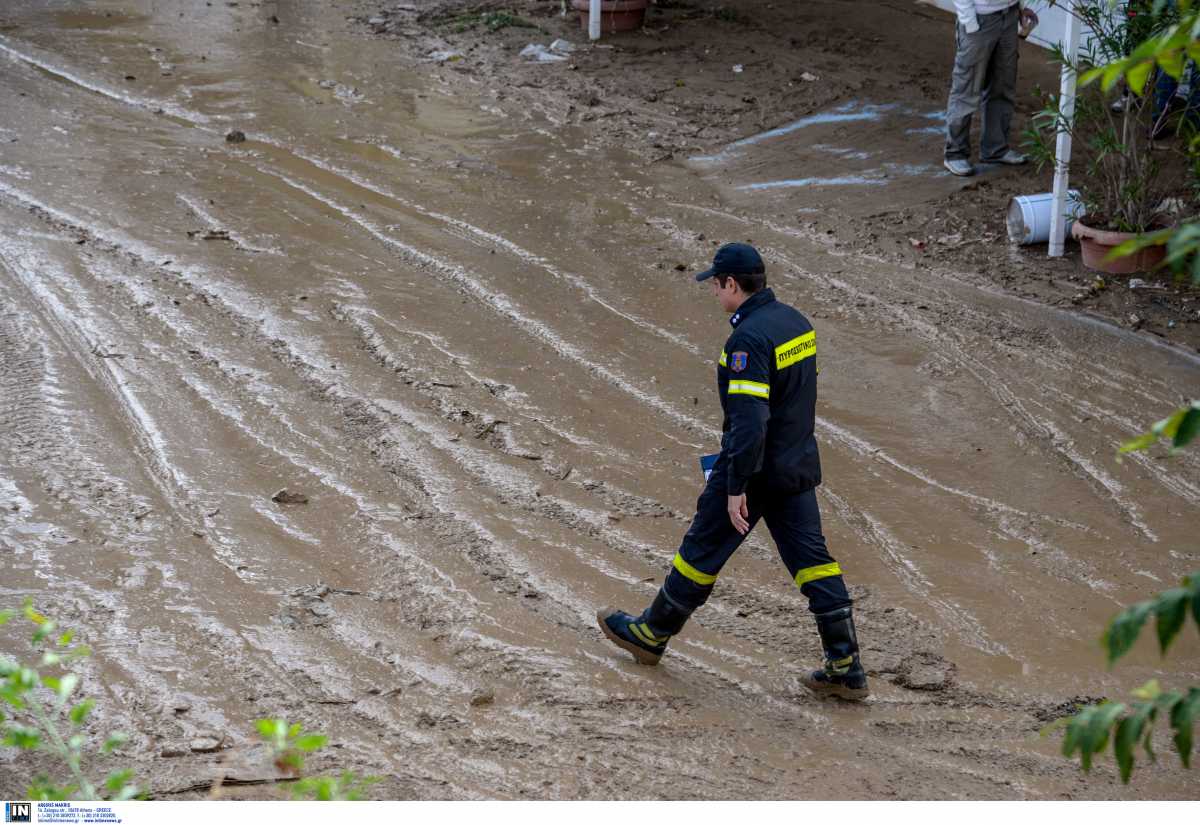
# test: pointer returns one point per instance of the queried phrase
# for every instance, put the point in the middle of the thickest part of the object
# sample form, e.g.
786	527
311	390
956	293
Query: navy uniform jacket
767	380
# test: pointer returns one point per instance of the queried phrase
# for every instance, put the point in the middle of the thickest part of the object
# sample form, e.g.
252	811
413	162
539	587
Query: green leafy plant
1130	725
1180	428
290	745
1123	187
346	787
1168	49
493	21
44	718
38	713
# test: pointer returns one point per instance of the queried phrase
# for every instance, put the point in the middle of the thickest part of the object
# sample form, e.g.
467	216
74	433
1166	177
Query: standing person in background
1170	96
1146	19
987	40
768	468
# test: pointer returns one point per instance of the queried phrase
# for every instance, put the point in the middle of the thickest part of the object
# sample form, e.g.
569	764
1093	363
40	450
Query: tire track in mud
289	688
504	307
461	228
62	75
107	515
317	384
479	236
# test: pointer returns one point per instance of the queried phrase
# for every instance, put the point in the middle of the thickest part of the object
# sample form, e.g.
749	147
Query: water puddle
846	113
872	177
843	156
846	180
32	529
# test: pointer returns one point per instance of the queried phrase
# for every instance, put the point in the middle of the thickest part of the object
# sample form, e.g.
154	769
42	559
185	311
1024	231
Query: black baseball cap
734	259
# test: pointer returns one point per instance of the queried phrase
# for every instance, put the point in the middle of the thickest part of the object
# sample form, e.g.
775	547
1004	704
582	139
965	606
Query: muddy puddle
464	344
861	166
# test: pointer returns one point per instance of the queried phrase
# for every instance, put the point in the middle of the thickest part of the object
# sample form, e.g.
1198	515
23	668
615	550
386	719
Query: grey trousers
985	70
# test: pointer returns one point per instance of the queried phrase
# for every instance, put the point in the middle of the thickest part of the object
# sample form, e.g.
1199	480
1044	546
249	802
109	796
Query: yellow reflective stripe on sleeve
723	360
821	571
702	579
750	388
796	350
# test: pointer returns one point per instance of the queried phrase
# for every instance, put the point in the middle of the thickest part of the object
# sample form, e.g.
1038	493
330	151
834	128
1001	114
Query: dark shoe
960	167
843	675
844	678
632	634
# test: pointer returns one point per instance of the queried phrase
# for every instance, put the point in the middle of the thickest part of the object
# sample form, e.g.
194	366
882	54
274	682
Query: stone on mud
236	136
483	696
926	677
205	744
286	496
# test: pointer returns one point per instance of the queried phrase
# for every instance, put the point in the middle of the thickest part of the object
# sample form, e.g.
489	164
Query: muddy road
462	337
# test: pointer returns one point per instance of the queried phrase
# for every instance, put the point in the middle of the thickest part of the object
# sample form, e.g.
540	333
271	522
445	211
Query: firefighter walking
768	469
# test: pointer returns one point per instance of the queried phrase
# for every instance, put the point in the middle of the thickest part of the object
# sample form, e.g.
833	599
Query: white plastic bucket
1029	216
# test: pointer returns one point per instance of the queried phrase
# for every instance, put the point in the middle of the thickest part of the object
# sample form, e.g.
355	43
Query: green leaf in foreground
310	743
1123	631
21	737
1183	717
79	713
1170	610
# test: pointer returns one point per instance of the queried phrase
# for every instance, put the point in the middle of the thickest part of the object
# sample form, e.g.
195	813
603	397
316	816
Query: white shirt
968	11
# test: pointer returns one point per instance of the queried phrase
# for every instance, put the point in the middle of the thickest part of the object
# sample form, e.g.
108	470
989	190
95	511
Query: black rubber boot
843	675
644	636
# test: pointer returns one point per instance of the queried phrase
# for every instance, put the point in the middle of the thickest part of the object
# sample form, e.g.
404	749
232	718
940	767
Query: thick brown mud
461	337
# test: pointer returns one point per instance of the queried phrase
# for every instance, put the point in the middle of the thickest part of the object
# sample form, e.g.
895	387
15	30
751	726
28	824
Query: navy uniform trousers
795	524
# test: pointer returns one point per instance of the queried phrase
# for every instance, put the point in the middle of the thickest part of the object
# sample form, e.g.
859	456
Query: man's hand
1029	21
738	513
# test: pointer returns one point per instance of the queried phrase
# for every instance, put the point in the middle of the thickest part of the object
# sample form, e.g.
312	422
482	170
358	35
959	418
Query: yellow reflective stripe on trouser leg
821	571
644	635
702	579
750	388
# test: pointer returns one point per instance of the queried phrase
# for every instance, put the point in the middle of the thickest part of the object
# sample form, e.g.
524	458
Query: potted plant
615	15
1112	133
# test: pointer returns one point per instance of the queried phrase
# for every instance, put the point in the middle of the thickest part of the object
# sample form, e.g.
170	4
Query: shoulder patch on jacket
737	361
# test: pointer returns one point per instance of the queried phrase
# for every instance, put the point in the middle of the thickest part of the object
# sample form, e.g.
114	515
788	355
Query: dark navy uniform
767	380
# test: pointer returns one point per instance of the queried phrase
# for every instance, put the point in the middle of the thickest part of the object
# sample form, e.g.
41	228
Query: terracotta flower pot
615	15
1097	243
